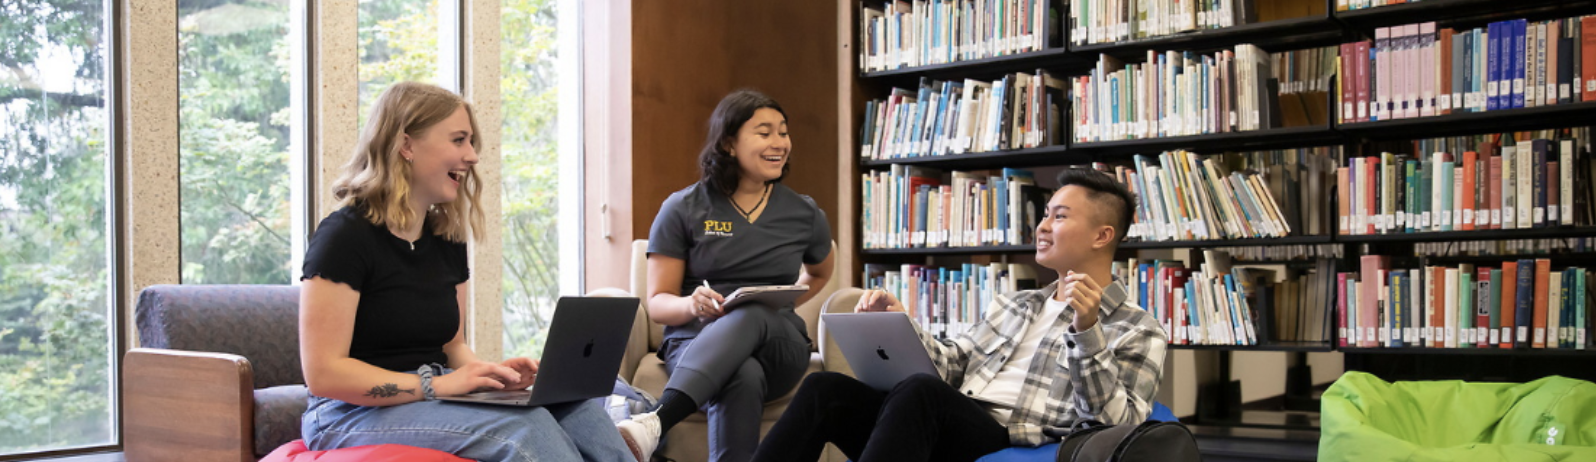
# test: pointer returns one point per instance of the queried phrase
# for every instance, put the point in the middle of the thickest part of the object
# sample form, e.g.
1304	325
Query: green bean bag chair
1365	419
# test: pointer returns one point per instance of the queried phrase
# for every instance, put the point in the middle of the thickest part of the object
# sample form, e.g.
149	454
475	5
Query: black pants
921	419
751	355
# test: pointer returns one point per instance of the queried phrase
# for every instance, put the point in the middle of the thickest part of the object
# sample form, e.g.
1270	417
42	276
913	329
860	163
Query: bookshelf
1488	235
975	250
1469	351
1029	157
1530	118
1303	32
1302	347
1066	59
1258	140
1050	57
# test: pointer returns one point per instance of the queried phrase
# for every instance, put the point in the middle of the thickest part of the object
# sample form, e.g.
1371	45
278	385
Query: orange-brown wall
685	56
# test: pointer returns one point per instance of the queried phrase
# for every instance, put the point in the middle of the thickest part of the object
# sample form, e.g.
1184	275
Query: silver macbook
581	357
883	348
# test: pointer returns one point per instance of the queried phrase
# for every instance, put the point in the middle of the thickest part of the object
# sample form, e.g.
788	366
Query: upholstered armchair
688	441
217	376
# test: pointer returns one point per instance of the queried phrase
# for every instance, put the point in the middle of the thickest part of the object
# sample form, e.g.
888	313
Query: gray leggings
735	364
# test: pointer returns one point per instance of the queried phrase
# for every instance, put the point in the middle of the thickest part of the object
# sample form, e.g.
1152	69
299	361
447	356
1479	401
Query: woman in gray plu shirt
737	226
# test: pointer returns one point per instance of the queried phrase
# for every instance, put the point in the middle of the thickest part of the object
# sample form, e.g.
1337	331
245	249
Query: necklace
748	214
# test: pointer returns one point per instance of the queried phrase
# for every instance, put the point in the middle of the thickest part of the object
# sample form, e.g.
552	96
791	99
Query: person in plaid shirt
1041	360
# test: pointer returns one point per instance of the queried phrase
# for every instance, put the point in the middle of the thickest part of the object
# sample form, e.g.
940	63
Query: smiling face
441	158
761	146
1073	228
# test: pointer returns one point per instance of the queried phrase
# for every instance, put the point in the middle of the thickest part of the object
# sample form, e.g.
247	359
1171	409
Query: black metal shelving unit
1319	30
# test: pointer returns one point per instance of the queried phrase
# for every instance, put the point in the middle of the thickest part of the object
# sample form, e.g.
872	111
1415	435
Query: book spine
1482	308
1541	296
1494	308
1510	283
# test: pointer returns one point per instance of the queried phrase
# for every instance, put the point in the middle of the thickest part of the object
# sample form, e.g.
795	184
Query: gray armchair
217	376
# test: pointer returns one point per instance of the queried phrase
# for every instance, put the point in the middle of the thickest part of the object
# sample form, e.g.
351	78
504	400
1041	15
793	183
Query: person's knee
825	380
749	377
919	384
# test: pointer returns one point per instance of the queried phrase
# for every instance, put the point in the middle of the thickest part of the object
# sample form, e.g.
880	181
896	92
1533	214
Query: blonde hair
378	176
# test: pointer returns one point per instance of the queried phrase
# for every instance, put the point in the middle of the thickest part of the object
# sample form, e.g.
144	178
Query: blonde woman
384	295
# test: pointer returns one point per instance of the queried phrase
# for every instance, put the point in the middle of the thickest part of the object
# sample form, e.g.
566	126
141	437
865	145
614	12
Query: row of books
1109	21
1020	110
1528	184
1185	196
1347	5
1505	247
1278	253
1174	94
900	33
917	207
947	301
1222	304
1518	304
1419	70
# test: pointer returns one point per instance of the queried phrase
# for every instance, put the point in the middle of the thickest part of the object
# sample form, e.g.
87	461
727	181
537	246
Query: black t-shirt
407	309
700	226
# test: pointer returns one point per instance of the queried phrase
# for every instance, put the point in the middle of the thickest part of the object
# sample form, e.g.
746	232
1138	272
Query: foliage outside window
529	85
55	328
398	43
233	93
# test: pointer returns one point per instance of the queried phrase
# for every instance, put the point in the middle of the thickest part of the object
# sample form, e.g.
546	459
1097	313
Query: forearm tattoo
388	390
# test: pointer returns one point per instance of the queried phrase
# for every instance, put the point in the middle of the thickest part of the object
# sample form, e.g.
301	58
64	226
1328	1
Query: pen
712	300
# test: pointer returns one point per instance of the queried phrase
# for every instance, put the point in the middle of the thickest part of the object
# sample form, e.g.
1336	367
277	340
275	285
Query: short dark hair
1120	203
716	166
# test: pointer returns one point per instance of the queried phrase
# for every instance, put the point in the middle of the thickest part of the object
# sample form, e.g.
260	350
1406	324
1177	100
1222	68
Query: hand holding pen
706	303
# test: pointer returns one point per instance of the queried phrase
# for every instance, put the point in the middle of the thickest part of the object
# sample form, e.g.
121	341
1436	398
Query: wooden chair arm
187	405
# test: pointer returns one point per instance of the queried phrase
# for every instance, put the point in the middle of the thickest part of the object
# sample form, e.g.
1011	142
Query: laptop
883	348
581	357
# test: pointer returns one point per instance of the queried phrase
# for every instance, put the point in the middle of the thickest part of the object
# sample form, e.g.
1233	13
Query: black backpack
1091	441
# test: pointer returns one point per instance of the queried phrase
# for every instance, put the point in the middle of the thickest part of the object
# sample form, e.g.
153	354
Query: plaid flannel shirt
1107	373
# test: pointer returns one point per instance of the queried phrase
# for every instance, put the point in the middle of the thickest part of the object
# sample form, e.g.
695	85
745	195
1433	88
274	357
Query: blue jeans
577	431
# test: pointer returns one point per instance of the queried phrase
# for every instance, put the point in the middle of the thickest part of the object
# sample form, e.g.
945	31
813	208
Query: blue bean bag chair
1047	452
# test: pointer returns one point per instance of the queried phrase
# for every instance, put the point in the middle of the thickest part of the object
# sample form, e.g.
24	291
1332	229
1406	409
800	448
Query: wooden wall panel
689	54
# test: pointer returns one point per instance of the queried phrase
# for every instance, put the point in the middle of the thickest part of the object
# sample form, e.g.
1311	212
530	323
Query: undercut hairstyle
717	168
378	177
1116	205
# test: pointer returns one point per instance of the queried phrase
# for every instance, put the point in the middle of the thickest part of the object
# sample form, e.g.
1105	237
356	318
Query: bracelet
426	382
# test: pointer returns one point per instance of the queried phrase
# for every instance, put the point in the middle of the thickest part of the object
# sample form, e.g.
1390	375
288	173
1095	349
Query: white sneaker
641	433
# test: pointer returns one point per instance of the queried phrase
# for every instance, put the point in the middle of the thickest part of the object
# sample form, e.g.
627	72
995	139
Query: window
234	59
407	40
55	309
541	141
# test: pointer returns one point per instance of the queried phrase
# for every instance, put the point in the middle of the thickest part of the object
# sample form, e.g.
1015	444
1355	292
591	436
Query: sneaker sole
637	451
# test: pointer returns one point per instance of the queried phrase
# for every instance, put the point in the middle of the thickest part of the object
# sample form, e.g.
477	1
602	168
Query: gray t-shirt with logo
703	228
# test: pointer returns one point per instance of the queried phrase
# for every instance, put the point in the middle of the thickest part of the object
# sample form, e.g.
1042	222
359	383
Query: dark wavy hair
716	166
1119	203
